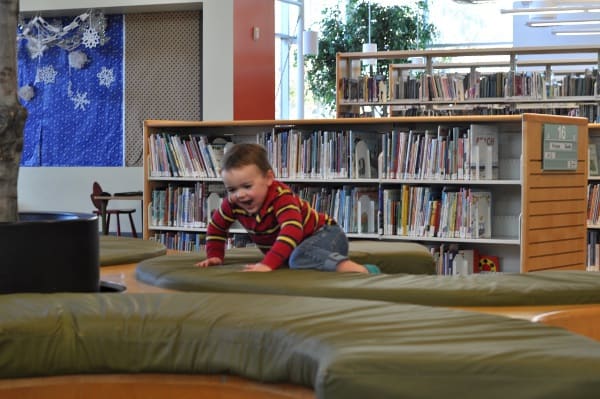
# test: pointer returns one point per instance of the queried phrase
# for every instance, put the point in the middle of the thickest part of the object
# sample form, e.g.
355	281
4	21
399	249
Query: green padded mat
344	349
178	272
122	250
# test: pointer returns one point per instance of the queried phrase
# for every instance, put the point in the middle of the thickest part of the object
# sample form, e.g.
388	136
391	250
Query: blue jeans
321	251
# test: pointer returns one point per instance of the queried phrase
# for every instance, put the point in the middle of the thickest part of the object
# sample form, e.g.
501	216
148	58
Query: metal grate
162	72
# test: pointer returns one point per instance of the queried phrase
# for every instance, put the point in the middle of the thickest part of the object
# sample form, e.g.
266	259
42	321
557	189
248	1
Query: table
104	204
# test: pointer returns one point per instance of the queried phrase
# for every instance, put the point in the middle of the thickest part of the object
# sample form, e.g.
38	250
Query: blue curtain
75	117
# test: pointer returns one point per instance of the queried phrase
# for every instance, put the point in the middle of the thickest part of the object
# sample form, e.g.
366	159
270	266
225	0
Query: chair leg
133	232
107	223
118	224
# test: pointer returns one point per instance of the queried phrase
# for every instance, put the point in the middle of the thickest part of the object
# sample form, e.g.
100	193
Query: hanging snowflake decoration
77	59
105	77
90	38
26	93
46	75
36	49
88	28
80	100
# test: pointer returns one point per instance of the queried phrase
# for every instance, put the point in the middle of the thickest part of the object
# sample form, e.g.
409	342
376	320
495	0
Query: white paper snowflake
45	74
36	48
80	100
105	77
90	38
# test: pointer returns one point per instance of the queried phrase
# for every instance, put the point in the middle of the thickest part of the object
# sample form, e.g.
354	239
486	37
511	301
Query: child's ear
270	176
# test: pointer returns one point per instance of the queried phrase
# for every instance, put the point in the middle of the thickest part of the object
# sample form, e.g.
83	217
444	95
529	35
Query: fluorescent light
544	10
581	32
539	24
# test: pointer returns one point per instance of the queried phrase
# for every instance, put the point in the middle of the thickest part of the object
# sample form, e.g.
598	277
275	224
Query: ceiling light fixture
547	10
540	24
581	32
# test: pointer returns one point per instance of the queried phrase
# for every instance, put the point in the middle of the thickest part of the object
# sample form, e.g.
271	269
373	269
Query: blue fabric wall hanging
76	113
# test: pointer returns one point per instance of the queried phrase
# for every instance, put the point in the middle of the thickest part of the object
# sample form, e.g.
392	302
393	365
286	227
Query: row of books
173	155
322	154
181	241
364	88
196	242
476	85
450	260
593	203
417	211
593	250
450	153
421	211
184	206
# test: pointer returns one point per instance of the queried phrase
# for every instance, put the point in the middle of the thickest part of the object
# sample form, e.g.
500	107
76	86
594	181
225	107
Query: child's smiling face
247	186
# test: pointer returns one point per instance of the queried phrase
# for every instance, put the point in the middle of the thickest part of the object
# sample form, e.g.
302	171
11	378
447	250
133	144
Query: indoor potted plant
43	251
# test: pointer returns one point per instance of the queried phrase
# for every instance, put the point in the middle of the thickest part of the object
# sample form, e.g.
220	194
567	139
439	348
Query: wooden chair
102	205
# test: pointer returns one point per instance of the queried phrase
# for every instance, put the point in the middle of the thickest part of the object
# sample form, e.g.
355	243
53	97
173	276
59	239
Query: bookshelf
555	80
593	211
536	218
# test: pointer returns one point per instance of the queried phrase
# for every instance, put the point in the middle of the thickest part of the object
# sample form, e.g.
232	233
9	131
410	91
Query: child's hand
257	267
209	262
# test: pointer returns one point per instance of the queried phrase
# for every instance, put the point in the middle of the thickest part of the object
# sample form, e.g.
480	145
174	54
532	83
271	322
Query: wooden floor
148	386
125	275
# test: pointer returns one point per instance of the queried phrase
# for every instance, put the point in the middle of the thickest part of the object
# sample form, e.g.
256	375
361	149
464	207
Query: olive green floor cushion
178	272
344	349
391	257
122	250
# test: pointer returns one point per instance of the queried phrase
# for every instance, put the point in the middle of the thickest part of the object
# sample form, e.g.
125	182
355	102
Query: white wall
68	189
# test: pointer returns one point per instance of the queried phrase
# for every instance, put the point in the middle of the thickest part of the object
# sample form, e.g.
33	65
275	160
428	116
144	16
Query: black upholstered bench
341	348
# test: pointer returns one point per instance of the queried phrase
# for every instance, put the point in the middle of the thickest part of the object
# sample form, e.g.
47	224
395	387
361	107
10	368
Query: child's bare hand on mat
209	262
257	267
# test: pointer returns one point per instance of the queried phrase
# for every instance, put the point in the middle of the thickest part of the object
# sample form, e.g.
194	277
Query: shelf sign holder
559	147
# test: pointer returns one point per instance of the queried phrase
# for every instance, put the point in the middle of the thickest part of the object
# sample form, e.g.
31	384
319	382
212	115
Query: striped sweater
280	225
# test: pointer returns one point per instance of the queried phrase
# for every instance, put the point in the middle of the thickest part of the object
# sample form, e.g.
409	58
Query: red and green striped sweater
280	225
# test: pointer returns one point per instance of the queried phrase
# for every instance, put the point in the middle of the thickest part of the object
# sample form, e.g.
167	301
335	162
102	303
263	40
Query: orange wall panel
254	60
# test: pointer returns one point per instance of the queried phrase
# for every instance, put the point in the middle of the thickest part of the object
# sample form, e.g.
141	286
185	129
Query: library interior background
463	165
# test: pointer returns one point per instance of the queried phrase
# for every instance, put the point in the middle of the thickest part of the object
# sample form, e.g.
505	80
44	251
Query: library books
448	212
441	154
455	261
593	159
180	206
483	144
174	156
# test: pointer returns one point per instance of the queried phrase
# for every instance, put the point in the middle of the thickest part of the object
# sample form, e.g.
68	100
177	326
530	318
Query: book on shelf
483	160
367	210
391	208
593	159
466	261
593	251
488	264
480	206
218	147
362	158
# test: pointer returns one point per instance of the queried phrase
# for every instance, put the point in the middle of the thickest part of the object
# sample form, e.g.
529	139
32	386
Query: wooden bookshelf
529	221
547	74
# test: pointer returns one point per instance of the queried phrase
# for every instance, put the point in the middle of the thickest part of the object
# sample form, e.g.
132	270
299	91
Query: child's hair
244	154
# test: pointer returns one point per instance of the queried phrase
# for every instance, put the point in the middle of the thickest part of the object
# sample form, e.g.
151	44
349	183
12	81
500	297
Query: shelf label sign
559	147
